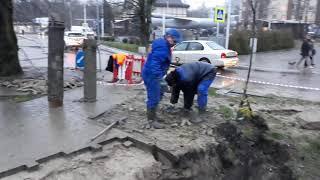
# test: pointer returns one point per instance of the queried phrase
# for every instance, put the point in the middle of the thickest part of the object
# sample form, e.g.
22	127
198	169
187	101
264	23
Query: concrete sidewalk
278	61
31	131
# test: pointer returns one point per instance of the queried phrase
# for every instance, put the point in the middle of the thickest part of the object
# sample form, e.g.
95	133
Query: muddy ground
279	143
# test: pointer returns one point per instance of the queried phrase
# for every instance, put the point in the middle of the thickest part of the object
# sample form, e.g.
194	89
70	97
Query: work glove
164	86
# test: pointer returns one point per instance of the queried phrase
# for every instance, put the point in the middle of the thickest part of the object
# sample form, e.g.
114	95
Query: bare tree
245	108
108	18
140	11
9	61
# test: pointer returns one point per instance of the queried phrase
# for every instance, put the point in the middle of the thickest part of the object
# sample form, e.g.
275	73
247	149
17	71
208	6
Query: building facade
171	7
304	11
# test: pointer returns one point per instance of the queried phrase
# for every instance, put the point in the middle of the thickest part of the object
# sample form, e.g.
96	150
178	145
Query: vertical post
228	24
90	70
55	62
102	27
269	25
163	23
98	21
218	30
70	13
164	18
85	13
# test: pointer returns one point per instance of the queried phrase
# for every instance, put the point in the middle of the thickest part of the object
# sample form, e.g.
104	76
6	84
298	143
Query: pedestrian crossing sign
219	15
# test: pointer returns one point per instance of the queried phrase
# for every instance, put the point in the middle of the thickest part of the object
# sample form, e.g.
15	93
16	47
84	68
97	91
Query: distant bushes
123	46
108	38
267	41
239	41
275	40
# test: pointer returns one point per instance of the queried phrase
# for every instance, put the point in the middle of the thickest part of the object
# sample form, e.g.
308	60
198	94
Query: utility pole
164	18
85	12
70	13
98	21
228	24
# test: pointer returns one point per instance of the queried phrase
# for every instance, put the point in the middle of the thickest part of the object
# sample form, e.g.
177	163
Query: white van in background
73	39
85	30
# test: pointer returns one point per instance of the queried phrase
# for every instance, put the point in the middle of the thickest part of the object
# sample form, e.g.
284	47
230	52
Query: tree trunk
253	6
108	18
9	61
145	21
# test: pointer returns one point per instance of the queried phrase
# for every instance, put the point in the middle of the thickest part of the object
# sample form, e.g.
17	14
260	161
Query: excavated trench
244	151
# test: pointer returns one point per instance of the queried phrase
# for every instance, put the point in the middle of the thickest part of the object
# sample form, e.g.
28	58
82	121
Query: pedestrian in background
312	52
156	67
305	52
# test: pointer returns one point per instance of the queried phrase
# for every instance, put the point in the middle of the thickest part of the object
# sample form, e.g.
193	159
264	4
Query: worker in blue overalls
156	67
192	78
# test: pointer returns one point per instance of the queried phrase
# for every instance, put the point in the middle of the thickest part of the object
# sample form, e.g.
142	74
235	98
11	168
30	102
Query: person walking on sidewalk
191	79
312	52
154	70
305	52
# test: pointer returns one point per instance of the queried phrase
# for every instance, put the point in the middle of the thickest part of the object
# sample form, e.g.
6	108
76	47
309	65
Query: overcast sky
198	3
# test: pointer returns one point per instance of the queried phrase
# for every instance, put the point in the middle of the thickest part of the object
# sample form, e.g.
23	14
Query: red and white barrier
133	69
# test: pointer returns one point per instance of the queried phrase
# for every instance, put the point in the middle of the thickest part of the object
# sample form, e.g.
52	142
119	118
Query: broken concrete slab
309	120
8	92
128	143
31	131
113	162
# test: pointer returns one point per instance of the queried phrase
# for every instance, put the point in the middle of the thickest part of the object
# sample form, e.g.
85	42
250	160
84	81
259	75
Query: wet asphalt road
271	74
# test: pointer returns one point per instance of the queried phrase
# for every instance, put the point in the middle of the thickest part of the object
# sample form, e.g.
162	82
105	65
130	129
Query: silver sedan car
205	51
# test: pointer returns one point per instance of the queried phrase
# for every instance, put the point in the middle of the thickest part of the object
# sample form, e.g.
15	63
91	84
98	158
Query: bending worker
192	78
155	69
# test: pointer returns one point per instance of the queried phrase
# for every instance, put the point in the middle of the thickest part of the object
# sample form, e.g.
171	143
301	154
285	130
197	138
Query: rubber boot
192	116
152	119
202	113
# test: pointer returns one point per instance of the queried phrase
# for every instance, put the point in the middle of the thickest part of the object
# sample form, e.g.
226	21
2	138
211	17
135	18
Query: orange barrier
133	69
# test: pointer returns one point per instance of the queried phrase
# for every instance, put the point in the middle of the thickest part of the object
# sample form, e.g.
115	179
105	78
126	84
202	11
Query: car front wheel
205	60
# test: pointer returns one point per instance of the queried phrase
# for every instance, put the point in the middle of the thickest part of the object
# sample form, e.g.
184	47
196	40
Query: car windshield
215	46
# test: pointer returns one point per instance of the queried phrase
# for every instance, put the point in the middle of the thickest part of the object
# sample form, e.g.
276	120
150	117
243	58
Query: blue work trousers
203	89
154	90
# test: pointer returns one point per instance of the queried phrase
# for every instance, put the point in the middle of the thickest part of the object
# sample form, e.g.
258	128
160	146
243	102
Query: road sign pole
228	24
218	30
85	13
164	18
98	21
219	17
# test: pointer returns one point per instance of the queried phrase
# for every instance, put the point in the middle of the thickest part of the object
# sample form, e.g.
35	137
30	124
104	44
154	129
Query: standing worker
156	67
119	66
191	79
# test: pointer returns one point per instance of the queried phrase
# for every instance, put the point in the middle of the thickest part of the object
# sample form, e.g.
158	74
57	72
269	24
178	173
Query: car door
178	53
194	52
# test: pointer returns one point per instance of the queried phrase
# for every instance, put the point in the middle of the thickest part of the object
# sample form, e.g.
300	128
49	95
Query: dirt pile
246	152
